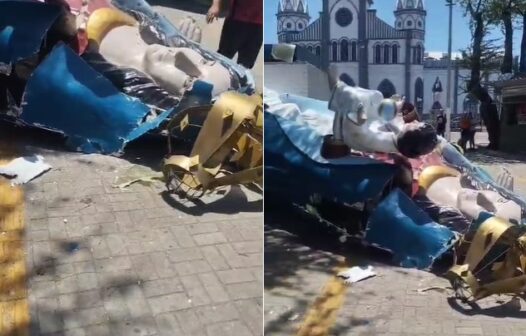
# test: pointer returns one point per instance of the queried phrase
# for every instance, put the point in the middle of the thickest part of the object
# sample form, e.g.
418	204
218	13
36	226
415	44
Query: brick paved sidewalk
108	262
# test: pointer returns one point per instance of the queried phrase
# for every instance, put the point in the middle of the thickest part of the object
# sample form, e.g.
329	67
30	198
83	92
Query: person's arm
214	11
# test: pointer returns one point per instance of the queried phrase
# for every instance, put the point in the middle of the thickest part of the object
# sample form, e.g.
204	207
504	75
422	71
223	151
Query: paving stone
214	258
144	266
228	328
217	313
210	238
235	276
190	323
244	290
162	287
192	267
169	303
167	325
250	312
184	254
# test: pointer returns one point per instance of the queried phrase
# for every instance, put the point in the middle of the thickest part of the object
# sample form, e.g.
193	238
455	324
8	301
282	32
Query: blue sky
437	23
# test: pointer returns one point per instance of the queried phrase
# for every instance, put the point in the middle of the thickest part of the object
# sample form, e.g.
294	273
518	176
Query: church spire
287	5
301	6
400	5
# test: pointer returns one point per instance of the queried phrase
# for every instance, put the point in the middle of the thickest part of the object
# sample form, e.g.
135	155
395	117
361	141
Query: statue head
118	37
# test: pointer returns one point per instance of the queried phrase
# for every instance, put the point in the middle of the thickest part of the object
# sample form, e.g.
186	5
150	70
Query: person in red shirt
242	32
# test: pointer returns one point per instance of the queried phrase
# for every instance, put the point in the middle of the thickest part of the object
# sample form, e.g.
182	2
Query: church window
300	26
344	17
399	24
344	51
410	23
418	54
334	51
420	24
394	56
378	54
387	51
318	50
289	25
353	51
310	48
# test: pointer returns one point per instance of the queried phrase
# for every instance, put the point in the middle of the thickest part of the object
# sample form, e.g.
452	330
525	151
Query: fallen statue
104	74
421	199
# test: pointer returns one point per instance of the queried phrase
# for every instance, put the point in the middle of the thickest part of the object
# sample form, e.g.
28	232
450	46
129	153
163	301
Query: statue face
174	69
169	66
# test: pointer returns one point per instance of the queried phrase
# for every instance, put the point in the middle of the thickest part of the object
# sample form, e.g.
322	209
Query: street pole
450	4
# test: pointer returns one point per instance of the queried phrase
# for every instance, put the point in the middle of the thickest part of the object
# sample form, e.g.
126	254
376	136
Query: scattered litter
24	169
355	274
65	220
137	174
294	317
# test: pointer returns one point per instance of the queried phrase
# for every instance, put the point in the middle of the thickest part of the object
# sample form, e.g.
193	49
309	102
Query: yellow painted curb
14	306
322	315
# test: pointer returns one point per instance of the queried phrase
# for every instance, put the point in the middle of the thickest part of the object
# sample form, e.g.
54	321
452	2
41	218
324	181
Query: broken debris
24	169
356	273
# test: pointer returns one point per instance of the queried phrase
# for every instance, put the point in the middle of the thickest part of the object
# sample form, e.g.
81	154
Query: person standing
242	32
490	117
441	124
465	131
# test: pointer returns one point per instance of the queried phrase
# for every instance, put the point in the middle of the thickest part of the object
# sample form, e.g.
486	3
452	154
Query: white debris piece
355	274
24	169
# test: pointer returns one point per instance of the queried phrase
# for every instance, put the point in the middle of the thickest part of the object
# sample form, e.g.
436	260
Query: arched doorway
386	88
419	94
347	79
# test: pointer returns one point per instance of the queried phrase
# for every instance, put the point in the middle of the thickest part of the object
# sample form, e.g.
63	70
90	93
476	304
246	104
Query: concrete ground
139	261
303	297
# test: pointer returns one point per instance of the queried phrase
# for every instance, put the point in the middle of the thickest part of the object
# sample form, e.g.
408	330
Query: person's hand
213	13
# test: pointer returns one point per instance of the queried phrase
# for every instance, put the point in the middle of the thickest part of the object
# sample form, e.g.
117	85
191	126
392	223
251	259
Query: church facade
370	52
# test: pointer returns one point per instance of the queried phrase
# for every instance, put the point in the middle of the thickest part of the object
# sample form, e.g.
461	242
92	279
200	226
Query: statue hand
346	103
190	29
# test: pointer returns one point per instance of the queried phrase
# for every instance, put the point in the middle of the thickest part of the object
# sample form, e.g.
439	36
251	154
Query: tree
490	60
520	9
477	11
502	12
479	18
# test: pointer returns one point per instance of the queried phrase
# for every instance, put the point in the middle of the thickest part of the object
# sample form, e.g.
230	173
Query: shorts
241	38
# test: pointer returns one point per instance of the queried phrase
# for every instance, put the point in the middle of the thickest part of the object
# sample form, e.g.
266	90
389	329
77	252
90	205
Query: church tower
410	15
293	17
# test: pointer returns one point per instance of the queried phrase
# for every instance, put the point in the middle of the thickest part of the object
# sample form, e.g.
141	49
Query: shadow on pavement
297	249
488	157
509	309
233	202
